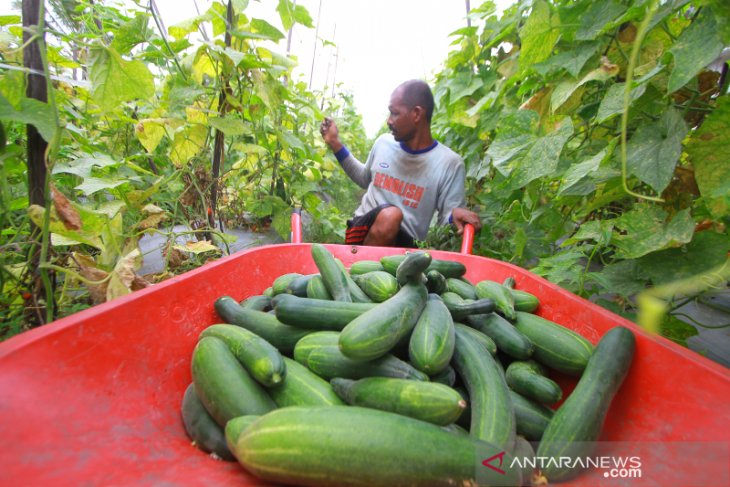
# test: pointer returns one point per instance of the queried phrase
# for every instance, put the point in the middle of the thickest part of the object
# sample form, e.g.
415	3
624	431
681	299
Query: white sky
380	43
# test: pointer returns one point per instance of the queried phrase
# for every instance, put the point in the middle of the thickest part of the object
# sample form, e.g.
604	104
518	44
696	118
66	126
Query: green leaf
708	149
463	84
697	46
623	278
301	16
187	143
654	149
150	133
290	140
9	19
286	13
83	165
721	9
92	185
32	112
132	33
598	231
571	60
564	268
539	34
529	155
707	250
613	101
579	172
645	229
564	90
228	125
595	19
115	81
264	28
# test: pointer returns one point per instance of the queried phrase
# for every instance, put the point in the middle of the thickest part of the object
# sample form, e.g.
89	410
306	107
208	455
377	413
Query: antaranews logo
615	467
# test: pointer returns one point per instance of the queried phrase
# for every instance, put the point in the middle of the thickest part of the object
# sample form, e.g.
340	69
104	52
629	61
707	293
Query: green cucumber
317	314
259	357
492	413
333	277
528	378
303	387
455	429
447	268
317	290
502	297
525	301
509	283
431	344
378	285
360	447
298	285
435	282
377	331
461	308
223	385
201	428
523	449
257	303
532	418
577	424
413	267
461	287
427	401
556	346
265	325
269	291
365	266
235	427
320	353
446	376
281	283
508	339
485	341
357	294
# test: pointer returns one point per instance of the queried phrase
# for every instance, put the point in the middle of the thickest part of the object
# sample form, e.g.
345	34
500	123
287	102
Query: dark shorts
358	228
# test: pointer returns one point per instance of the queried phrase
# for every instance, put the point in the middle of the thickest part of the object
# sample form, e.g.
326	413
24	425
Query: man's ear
418	113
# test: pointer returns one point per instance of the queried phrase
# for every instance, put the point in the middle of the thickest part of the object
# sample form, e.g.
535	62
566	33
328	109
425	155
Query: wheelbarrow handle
467	239
296	226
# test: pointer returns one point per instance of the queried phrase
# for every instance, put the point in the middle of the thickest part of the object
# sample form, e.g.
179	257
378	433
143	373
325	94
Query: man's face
401	120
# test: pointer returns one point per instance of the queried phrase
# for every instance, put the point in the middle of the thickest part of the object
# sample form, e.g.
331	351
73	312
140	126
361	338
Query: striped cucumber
317	290
492	414
201	428
525	301
461	287
349	446
556	346
435	282
375	332
461	308
485	341
447	268
235	427
303	387
431	344
502	297
365	266
281	283
577	424
508	339
223	385
320	353
427	401
378	285
446	376
333	277
259	357
356	293
413	267
265	325
532	418
529	379
257	303
317	314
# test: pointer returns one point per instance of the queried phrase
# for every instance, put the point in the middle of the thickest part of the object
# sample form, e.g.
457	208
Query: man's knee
391	215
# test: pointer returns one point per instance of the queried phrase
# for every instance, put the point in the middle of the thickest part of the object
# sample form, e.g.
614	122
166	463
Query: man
408	175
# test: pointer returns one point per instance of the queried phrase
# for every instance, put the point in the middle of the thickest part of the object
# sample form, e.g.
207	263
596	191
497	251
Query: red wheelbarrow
94	398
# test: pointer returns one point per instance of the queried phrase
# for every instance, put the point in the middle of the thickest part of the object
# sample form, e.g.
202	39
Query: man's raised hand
330	134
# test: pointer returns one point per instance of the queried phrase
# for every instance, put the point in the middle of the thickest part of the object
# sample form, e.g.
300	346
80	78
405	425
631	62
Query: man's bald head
417	93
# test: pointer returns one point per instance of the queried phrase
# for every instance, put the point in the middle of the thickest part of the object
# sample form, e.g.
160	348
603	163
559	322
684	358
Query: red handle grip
296	226
467	239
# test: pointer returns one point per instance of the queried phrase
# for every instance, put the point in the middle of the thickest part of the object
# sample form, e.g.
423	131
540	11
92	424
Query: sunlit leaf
115	80
267	30
92	185
197	247
84	165
539	34
204	70
120	282
229	125
149	133
188	143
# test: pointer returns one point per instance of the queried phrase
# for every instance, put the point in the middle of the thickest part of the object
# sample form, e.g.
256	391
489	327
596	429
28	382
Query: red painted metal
296	227
467	239
94	398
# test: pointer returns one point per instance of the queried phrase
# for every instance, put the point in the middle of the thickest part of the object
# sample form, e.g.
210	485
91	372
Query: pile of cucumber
397	372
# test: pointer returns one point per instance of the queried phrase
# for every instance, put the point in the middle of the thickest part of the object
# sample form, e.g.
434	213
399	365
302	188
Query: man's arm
356	170
451	203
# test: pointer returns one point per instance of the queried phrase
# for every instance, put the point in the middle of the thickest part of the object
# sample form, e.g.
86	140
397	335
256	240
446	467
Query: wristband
342	154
